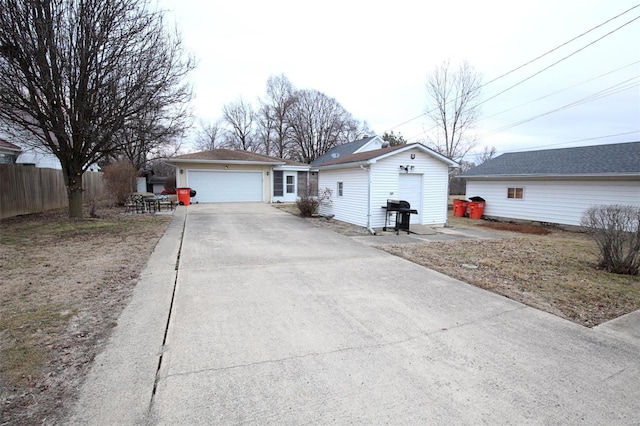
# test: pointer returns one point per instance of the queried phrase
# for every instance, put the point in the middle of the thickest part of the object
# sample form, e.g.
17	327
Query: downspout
368	169
446	204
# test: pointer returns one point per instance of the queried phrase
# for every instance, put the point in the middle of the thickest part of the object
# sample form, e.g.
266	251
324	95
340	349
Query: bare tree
318	123
209	136
453	108
239	115
75	74
486	155
274	129
153	134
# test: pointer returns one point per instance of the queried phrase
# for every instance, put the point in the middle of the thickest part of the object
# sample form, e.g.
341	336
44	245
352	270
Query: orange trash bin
184	196
476	209
460	208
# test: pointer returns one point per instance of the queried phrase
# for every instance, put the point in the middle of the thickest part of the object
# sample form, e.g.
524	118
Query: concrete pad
626	327
278	322
275	321
119	386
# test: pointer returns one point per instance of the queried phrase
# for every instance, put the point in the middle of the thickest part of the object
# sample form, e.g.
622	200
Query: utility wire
539	57
625	85
569	142
562	45
558	61
560	91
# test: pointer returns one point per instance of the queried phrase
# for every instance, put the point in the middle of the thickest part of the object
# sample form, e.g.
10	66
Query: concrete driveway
274	321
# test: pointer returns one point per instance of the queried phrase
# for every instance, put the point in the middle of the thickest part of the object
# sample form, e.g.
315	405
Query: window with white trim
515	193
291	184
340	187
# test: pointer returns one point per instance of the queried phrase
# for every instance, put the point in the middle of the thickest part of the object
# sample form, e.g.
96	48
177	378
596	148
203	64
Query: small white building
362	182
557	185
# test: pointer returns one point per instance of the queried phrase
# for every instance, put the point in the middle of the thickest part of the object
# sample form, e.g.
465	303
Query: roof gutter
244	162
554	176
345	165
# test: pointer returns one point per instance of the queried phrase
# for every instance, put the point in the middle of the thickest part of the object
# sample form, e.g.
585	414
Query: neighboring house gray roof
370	155
597	160
231	155
341	151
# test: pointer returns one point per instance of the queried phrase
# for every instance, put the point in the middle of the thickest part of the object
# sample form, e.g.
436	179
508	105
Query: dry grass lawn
62	287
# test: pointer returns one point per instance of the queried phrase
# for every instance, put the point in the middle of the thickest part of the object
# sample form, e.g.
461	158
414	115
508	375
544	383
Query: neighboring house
224	175
361	182
9	152
361	145
557	185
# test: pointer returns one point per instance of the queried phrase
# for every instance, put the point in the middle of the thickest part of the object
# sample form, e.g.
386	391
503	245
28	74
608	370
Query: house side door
410	189
290	185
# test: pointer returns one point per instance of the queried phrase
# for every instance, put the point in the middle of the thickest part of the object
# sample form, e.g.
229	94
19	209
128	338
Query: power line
562	45
570	142
558	61
561	90
539	57
625	85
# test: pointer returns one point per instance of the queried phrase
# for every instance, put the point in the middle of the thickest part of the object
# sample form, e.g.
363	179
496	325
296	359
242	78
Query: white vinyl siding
352	206
560	201
385	184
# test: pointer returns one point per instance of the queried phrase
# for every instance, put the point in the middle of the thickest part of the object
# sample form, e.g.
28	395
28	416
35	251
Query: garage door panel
226	187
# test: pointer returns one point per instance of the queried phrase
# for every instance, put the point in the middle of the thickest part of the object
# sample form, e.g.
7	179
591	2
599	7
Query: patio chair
165	201
137	203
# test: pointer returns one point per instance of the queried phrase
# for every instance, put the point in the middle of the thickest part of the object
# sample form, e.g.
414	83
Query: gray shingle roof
341	151
234	155
603	160
363	156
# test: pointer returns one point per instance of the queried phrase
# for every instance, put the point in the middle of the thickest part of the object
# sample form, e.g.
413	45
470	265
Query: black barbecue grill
402	211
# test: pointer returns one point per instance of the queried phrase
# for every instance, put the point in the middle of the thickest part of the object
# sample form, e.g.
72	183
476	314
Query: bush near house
616	231
120	177
308	204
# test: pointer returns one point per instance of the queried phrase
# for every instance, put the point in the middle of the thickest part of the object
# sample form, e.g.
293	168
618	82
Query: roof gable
378	154
342	150
607	160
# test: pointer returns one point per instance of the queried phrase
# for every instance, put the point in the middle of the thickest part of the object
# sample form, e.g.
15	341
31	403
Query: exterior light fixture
181	171
413	155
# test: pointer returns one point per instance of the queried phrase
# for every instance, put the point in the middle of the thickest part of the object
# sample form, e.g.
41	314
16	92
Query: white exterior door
290	183
225	187
410	189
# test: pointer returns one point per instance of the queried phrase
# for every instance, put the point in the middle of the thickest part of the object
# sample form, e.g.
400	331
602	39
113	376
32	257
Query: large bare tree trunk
84	78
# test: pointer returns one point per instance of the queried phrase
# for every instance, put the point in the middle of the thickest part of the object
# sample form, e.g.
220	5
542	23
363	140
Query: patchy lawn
62	287
543	267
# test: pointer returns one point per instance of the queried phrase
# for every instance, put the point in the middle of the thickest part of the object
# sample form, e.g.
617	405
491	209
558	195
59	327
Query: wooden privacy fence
25	189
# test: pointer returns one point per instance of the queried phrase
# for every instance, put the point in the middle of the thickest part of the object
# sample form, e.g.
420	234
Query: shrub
120	177
308	204
616	231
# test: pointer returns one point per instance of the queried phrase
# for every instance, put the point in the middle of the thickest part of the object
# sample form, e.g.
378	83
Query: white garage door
411	191
225	187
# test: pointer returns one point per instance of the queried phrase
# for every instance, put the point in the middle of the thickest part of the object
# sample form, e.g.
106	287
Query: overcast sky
373	57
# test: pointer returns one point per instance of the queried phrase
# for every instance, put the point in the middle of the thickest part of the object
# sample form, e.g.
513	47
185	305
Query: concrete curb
118	388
